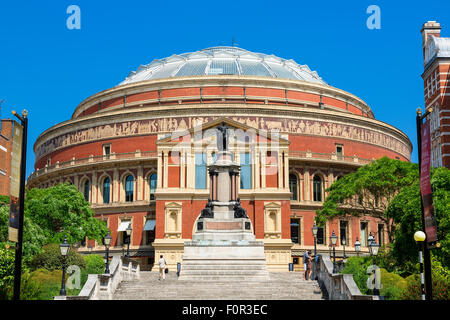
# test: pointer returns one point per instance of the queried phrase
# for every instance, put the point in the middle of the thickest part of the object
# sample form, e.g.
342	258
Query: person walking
162	267
306	257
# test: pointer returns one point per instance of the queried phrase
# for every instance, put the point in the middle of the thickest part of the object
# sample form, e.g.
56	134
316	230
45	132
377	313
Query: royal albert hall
139	152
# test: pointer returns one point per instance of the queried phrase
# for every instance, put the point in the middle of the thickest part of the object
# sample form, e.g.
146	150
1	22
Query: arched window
293	186
129	188
153	184
106	189
317	188
86	189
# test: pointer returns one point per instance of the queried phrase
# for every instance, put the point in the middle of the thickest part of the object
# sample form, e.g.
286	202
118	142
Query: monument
224	246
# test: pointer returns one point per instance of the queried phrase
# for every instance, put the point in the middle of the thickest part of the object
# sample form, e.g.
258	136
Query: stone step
285	285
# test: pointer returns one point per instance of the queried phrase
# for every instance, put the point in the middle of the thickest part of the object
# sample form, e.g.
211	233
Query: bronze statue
222	137
239	212
207	212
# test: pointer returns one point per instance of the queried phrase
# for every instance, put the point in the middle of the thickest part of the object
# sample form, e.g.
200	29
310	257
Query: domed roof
223	61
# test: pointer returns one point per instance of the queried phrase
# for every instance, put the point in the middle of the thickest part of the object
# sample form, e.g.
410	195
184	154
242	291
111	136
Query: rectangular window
339	151
343	232
363	234
246	171
295	230
321	235
381	234
200	170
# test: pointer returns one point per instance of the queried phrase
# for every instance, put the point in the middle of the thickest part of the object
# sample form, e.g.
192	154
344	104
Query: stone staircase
281	286
224	270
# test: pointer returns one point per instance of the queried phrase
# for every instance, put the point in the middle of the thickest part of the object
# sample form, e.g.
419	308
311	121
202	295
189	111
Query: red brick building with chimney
139	152
436	79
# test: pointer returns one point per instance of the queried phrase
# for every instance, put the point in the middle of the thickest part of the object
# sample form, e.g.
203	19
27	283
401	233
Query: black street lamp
64	248
314	231
333	241
373	248
107	241
128	239
420	236
357	247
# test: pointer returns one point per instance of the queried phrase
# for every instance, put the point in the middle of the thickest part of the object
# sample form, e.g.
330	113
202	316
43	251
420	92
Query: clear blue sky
49	69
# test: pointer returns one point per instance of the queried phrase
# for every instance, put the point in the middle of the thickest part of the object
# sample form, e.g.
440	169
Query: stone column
159	171
140	179
115	191
306	184
94	186
165	163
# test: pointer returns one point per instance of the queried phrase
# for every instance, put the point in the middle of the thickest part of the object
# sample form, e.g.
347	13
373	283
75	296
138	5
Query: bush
94	264
49	283
51	259
440	283
393	285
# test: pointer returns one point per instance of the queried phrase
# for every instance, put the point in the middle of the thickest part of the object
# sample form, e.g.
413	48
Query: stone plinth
224	246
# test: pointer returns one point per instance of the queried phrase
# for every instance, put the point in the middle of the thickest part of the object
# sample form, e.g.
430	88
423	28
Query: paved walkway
281	286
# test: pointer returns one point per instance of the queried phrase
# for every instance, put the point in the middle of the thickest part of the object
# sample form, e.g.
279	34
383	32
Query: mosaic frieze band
170	124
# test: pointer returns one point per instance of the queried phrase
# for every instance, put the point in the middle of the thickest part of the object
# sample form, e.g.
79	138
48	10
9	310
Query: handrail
103	286
338	286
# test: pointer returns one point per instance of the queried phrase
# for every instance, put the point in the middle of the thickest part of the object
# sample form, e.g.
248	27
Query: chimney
430	28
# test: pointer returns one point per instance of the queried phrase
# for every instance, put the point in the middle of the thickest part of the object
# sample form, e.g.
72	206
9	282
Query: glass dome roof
223	61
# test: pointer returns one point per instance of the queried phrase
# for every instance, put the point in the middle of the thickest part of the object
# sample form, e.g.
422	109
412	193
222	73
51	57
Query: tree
368	191
62	210
405	209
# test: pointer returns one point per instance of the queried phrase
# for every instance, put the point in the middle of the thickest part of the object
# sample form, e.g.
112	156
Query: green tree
33	235
405	209
63	208
369	190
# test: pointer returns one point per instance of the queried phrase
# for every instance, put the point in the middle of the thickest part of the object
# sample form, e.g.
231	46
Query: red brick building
436	79
6	136
139	151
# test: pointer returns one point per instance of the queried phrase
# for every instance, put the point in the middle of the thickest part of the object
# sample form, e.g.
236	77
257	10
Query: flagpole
19	244
426	250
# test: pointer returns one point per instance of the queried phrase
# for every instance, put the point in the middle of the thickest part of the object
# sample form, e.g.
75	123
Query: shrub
393	285
94	264
51	258
440	283
49	283
7	258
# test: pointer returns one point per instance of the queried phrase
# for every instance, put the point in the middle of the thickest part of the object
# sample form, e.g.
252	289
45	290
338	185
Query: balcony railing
94	159
328	156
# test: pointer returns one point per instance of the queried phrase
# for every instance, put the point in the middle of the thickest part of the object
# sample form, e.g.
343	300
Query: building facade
6	137
436	80
139	152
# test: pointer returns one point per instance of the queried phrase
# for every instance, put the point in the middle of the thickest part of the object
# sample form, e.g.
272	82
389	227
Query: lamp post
128	239
373	248
107	241
420	236
357	247
314	231
333	241
64	248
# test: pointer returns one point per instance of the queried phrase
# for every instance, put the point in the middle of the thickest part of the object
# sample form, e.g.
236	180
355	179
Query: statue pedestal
224	246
